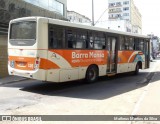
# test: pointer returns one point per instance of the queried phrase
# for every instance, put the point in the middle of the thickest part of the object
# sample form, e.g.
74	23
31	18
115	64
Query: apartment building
75	17
125	10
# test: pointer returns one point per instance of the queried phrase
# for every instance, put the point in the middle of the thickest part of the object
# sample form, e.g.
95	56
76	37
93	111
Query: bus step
111	74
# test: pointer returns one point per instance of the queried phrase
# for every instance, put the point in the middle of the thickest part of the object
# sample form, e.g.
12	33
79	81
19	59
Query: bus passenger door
147	53
111	45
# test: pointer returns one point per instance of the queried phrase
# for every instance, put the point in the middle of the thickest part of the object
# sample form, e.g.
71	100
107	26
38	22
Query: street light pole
92	13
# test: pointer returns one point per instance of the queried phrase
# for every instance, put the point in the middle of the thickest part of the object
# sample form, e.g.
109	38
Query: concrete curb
147	78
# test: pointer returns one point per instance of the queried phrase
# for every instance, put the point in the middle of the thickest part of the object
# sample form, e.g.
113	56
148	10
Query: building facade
75	17
125	10
118	25
11	9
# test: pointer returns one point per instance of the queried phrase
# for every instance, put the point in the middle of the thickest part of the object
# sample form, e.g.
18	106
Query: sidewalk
149	103
11	79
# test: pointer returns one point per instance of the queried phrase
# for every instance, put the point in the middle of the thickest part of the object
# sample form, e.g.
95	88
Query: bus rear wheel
92	74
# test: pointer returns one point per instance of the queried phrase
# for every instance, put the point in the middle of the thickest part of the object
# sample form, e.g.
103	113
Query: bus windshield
23	30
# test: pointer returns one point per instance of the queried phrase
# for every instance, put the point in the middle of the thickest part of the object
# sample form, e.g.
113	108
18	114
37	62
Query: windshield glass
23	30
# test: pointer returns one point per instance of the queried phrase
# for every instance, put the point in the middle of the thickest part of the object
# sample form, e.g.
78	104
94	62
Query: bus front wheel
137	69
92	74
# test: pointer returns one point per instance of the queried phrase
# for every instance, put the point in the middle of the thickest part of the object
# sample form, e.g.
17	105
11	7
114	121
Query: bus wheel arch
92	73
138	66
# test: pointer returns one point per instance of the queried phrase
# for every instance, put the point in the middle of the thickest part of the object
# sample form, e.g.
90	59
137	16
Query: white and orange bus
59	51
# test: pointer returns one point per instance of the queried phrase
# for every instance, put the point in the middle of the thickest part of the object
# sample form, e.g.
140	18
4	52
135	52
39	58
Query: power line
101	16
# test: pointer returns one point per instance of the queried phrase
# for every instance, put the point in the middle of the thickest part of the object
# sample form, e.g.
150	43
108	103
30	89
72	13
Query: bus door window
111	54
147	55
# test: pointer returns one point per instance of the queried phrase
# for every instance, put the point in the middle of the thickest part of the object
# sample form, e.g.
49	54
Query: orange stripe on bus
23	63
29	62
46	64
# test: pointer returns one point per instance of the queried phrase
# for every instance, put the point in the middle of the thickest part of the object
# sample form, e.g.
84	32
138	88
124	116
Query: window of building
111	4
56	6
118	15
111	10
118	9
70	17
52	5
80	19
34	2
125	14
126	2
118	4
126	8
43	4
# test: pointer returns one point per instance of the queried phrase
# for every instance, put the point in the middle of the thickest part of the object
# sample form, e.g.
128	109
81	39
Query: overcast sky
149	9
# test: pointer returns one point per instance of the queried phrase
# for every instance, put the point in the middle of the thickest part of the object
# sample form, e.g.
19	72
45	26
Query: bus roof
75	25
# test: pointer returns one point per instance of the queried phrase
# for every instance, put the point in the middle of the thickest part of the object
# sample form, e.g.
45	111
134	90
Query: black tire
137	69
92	74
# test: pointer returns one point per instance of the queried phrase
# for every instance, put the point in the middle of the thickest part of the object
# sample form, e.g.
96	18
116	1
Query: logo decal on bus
87	55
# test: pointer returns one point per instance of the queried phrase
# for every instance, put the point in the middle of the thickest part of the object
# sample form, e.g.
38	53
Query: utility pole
92	12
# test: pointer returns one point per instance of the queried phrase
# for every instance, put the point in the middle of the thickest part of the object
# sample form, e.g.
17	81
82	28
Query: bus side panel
72	64
127	61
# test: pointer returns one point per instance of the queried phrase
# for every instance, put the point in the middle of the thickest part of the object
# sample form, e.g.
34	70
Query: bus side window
81	40
127	41
99	41
71	39
136	41
56	37
131	43
91	42
52	40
